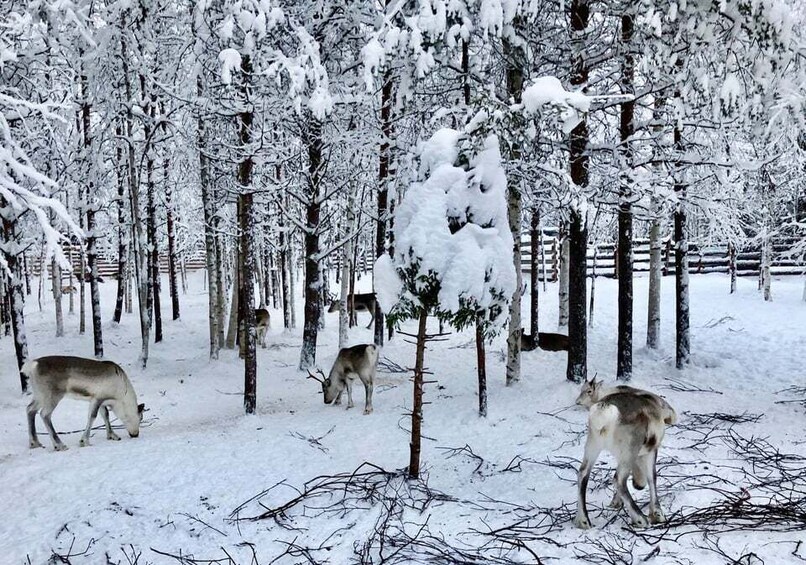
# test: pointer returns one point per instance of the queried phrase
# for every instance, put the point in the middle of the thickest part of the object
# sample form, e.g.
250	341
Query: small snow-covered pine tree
453	247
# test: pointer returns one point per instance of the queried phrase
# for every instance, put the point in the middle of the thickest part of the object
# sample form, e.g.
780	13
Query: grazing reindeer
263	324
68	289
361	360
361	303
630	423
103	383
545	341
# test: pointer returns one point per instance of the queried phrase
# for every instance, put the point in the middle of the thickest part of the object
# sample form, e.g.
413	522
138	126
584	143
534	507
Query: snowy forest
482	210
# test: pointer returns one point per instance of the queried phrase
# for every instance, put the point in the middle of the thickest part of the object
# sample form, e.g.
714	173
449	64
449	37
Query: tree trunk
55	278
90	204
515	57
387	100
247	251
15	291
534	239
481	367
682	337
655	278
593	286
123	249
5	309
625	251
732	266
564	249
232	330
284	276
71	298
151	229
346	269
417	405
169	222
134	202
313	273
577	233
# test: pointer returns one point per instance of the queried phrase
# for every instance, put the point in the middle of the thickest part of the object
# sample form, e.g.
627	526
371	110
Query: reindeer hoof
367	411
616	503
640	522
350	406
113	437
60	447
83	442
34	444
656	517
582	522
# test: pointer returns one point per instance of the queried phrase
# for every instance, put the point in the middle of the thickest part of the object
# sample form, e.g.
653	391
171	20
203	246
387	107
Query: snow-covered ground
198	458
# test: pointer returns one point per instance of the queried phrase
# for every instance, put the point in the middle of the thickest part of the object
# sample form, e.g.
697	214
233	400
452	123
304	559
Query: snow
230	59
198	457
549	90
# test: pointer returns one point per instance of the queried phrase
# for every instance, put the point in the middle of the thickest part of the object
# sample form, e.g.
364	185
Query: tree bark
92	238
562	287
346	269
417	404
313	273
682	337
577	368
655	278
515	57
481	365
15	291
153	284
534	239
123	248
732	266
169	222
625	227
134	202
384	173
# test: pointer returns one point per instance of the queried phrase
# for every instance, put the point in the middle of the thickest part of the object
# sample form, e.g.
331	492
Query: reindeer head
589	394
325	382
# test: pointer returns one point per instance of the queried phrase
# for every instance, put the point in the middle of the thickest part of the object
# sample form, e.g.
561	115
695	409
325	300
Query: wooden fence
601	257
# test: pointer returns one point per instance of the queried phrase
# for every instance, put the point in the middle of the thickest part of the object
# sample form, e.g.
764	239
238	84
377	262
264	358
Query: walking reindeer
630	423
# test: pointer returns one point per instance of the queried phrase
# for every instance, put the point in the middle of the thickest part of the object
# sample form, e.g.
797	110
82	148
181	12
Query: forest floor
328	481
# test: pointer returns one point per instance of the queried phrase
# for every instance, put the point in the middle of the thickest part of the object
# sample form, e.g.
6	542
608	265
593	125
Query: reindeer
263	324
360	360
360	302
103	383
545	341
630	423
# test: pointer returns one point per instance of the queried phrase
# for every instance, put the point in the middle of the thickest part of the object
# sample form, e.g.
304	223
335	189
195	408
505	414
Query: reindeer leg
368	388
655	513
616	503
85	438
33	441
109	433
622	474
58	445
592	451
349	382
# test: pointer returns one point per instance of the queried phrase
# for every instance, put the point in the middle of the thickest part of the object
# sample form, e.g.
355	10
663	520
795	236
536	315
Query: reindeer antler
314	377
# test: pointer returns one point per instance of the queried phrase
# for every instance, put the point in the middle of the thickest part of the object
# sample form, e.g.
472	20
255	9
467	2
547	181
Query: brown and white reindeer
630	423
263	323
358	360
103	383
362	302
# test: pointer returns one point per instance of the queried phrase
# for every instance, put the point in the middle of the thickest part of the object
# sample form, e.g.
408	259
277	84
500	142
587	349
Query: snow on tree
453	246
